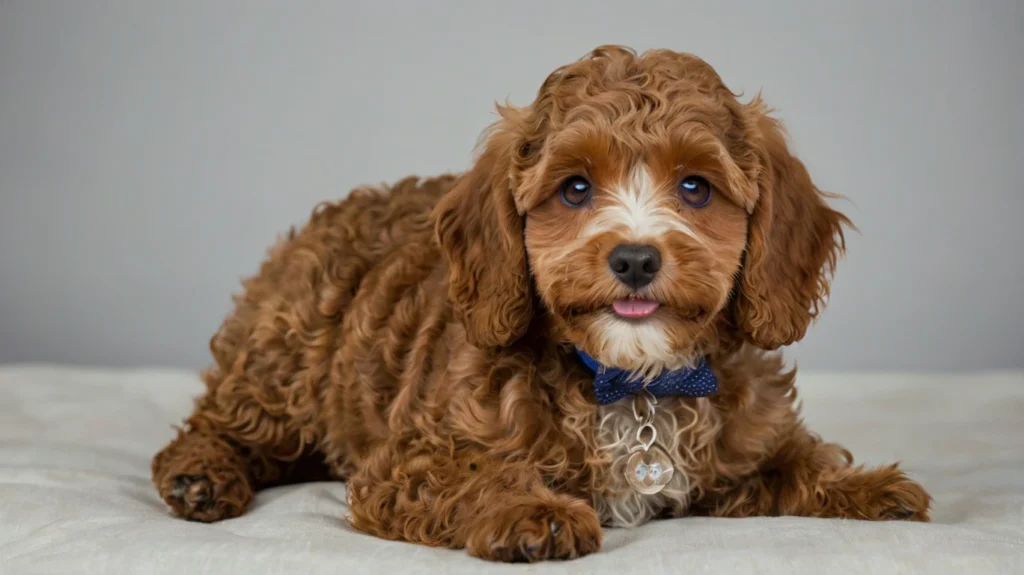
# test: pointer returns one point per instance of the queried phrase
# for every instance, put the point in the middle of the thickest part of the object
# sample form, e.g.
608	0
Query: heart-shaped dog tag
649	471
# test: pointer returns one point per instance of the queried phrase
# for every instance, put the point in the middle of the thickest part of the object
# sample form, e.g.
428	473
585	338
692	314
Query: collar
612	384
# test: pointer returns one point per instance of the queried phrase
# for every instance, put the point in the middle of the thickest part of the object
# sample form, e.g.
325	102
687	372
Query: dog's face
651	215
635	249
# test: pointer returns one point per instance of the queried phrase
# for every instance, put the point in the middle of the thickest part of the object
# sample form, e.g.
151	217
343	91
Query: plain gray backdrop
151	151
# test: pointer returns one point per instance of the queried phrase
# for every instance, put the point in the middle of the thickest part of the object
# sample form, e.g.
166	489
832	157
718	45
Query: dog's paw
903	499
886	494
564	528
206	497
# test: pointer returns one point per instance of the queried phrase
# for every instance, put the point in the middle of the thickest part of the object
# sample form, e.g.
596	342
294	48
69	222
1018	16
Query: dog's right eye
575	191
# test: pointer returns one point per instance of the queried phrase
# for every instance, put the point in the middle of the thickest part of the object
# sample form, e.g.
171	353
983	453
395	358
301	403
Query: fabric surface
76	497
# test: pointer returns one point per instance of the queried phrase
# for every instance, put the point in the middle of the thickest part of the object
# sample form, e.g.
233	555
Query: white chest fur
675	420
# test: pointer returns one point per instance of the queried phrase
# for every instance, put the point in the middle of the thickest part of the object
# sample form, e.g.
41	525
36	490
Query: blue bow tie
612	384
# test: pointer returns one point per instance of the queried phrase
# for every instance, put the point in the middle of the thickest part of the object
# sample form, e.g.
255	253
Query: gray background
151	151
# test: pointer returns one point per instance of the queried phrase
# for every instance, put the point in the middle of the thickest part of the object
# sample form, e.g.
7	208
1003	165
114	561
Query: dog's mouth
635	307
638	308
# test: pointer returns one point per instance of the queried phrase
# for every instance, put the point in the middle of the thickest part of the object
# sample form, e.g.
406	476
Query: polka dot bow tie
612	384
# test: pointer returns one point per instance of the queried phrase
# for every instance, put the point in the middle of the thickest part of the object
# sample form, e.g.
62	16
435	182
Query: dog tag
650	470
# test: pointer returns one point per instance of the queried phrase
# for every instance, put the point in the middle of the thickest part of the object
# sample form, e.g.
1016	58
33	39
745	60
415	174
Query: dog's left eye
575	191
695	191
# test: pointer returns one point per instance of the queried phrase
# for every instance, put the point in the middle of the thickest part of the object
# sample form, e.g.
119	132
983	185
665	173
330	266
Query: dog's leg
497	511
230	447
808	477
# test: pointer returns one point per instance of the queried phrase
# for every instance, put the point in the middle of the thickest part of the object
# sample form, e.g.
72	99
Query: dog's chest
675	421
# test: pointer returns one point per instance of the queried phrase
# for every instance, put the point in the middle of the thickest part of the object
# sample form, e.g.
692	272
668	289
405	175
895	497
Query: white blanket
76	497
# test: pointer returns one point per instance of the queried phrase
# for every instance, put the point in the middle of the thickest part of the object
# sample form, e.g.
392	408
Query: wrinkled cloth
76	497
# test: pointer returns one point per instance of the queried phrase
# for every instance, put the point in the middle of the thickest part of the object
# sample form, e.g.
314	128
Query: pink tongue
634	308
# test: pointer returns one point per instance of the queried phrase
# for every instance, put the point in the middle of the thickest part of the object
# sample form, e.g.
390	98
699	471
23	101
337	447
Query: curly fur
416	341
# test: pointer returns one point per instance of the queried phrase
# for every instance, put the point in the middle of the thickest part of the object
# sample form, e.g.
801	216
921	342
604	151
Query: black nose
635	265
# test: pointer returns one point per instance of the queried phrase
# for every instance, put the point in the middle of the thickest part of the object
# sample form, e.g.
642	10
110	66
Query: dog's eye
695	191
575	191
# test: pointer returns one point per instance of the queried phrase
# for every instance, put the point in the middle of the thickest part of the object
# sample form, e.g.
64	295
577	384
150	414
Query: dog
579	332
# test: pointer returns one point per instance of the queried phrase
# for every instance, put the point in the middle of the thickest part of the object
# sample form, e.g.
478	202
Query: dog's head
645	210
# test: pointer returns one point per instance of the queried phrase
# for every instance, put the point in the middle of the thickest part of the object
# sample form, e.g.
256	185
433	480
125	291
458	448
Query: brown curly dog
428	343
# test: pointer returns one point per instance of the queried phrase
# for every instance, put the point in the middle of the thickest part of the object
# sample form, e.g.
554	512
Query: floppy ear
481	235
793	242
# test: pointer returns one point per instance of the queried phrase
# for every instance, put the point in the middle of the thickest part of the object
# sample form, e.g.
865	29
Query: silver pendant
649	469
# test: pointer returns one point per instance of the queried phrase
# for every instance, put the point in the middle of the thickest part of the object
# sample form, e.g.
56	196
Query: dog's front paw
536	530
887	494
903	499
